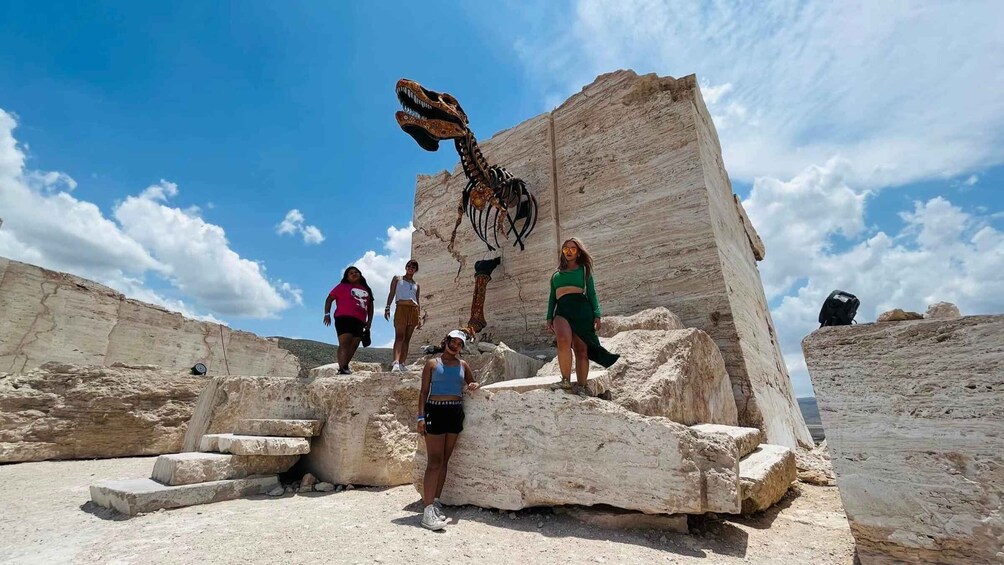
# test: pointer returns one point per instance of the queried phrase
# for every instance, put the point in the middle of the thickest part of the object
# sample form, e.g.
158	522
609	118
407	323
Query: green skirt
578	311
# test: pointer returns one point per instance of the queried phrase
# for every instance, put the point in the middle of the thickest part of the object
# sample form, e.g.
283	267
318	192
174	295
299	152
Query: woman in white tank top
404	291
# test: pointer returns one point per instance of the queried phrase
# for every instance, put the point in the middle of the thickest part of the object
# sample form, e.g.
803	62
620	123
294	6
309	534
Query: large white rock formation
368	434
62	411
678	374
50	316
549	448
632	165
915	426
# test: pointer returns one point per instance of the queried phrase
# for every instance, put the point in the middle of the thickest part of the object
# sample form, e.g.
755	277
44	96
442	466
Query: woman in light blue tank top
445	379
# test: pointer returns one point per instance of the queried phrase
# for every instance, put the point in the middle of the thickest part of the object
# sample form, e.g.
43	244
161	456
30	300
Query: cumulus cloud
941	252
380	268
45	225
889	87
294	223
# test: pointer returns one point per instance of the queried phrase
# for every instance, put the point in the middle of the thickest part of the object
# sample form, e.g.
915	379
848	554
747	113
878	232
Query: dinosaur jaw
428	133
429	116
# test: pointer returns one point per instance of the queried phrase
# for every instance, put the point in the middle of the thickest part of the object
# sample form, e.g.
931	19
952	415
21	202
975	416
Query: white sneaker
396	368
438	506
431	520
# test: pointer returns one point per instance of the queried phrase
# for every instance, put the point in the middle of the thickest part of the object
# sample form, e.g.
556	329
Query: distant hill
809	408
810	412
316	353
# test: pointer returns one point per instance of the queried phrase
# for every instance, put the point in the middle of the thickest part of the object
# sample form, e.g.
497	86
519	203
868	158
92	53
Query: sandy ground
46	517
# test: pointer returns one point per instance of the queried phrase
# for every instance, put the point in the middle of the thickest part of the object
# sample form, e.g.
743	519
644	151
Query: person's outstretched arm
327	307
390	297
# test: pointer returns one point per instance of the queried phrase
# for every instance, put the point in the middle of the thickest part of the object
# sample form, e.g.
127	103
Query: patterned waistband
445	402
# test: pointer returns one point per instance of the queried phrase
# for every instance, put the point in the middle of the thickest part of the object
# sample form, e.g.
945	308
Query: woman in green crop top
573	314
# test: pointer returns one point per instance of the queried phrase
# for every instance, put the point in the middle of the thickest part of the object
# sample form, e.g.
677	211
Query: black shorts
444	417
349	325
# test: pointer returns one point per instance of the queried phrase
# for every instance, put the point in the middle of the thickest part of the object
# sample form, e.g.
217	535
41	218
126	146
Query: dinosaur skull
429	116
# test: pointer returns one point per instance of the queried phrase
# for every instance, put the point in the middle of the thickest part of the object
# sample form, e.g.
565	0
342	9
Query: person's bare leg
451	442
434	446
399	346
344	343
353	346
406	344
563	333
581	360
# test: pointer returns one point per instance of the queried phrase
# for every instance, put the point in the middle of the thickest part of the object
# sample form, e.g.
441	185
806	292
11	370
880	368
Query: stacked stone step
765	471
227	466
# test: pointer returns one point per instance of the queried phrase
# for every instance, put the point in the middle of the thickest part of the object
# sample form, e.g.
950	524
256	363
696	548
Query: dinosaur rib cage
494	200
511	209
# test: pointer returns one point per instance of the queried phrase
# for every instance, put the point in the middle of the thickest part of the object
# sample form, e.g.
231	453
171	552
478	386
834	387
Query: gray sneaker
438	506
579	390
431	520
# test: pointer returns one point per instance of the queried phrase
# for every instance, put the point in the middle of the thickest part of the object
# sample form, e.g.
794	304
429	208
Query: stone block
136	496
597	383
617	519
914	426
898	315
63	411
545	448
48	316
677	374
652	319
942	310
368	436
254	445
765	476
278	427
504	364
747	439
194	467
633	165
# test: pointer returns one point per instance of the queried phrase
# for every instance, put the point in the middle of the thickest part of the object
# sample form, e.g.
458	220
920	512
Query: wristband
326	314
421	418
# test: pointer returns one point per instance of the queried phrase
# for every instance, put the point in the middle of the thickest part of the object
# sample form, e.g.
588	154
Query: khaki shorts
406	315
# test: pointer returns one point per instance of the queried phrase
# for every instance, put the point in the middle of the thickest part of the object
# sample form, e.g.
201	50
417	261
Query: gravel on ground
46	517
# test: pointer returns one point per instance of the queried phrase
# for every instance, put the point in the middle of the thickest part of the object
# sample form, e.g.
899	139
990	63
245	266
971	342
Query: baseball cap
459	334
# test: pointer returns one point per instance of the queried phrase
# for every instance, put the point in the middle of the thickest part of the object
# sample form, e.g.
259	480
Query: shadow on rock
713	537
103	513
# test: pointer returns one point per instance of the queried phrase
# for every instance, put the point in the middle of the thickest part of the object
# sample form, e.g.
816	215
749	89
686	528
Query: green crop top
572	278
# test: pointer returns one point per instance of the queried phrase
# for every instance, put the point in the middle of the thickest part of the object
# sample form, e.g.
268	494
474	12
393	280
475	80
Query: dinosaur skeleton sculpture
494	200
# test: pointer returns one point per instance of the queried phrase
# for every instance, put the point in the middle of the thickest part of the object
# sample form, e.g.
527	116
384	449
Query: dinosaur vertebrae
494	200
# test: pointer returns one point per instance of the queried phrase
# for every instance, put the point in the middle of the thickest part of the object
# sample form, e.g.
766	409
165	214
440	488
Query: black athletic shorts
444	417
349	325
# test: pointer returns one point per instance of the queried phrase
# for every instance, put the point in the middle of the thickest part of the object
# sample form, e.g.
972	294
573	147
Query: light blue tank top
447	381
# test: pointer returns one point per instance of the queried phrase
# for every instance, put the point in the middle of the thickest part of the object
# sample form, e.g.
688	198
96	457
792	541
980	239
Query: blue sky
159	148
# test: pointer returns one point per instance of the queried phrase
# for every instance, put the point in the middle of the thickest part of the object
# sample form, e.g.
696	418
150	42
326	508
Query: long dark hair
583	258
362	280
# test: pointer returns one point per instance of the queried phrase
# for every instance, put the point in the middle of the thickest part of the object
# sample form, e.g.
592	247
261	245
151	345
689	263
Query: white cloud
293	223
380	268
890	87
940	253
43	224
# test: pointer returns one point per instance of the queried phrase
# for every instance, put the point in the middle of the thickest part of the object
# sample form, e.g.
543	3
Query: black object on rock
199	369
839	309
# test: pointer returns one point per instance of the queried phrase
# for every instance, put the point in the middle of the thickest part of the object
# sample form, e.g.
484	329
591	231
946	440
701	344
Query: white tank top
406	291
